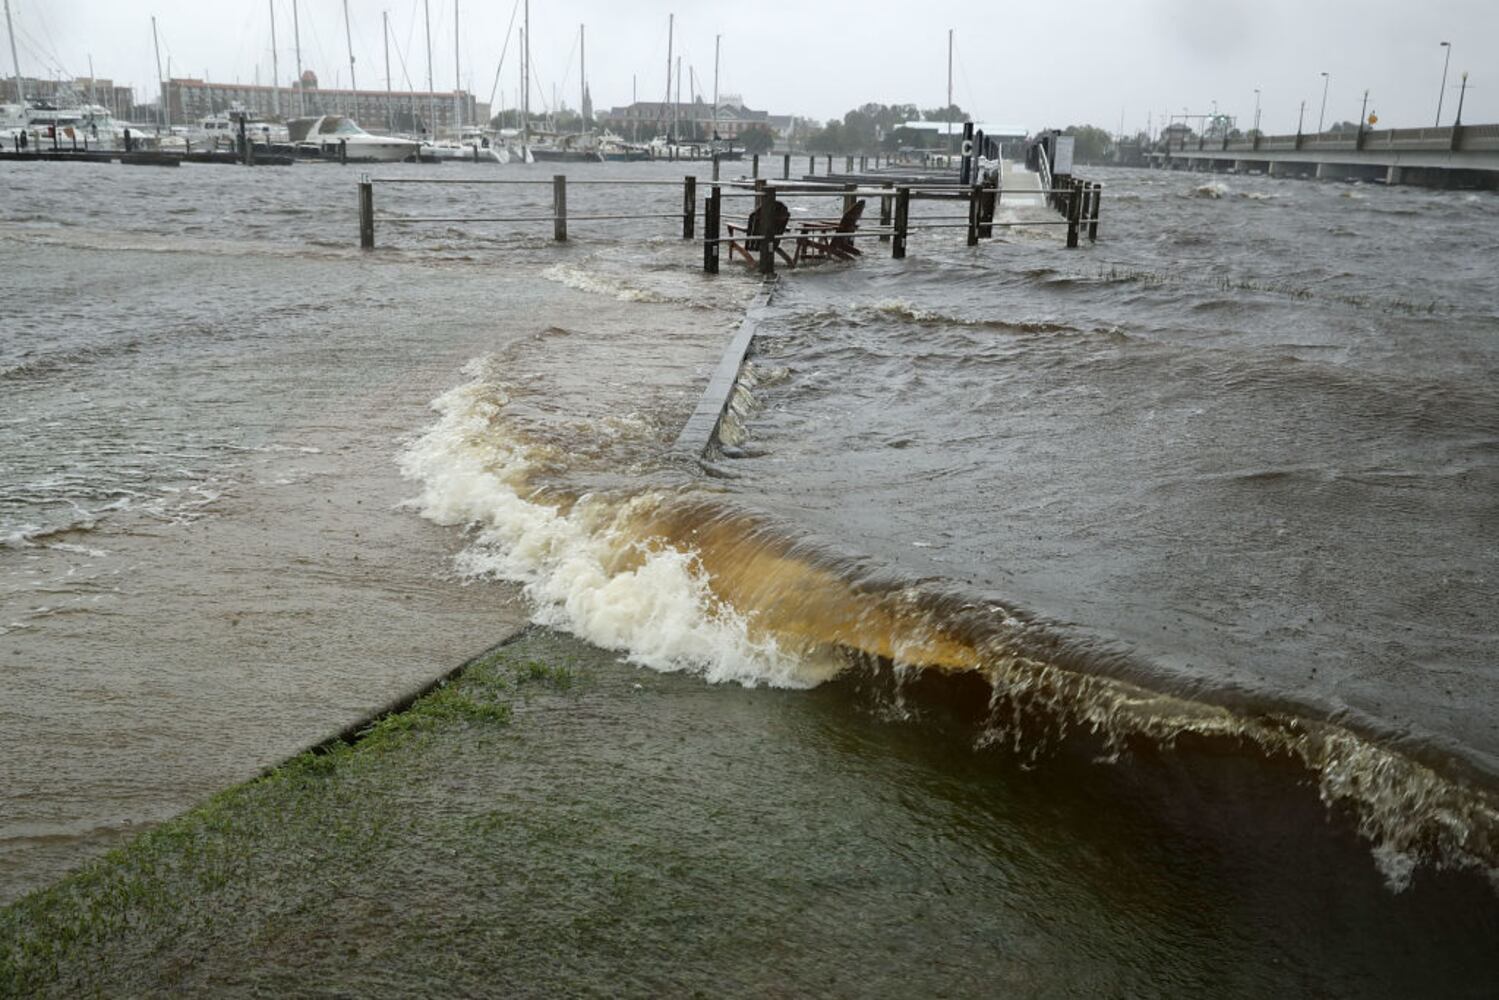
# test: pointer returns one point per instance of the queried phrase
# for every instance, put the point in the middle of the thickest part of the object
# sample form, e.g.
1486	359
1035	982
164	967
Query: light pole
1443	92
1300	117
1322	115
1460	95
1256	111
1362	111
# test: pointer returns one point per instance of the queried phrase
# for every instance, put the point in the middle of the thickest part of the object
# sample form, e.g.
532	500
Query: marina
516	548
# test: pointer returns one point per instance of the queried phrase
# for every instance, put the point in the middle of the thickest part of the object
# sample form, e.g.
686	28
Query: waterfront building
190	99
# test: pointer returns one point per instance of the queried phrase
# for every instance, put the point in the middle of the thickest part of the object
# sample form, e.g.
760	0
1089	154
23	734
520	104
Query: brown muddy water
1185	541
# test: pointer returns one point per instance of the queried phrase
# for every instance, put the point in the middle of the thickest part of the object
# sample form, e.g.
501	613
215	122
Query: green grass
254	859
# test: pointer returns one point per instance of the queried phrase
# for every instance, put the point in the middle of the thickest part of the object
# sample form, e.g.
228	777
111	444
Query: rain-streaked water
1210	501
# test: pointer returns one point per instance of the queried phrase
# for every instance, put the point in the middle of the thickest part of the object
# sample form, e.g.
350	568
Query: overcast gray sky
1027	64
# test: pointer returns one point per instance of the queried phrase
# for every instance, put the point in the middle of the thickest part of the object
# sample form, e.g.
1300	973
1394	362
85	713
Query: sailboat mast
16	62
431	94
161	112
275	67
390	108
717	39
671	20
296	34
525	83
948	113
457	75
676	108
93	97
353	87
582	80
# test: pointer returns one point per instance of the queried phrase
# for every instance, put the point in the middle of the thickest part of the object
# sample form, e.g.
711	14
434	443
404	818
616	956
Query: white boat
333	136
88	124
472	151
221	131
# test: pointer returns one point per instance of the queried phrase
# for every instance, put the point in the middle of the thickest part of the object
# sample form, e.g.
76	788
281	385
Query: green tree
951	113
757	139
1091	144
829	140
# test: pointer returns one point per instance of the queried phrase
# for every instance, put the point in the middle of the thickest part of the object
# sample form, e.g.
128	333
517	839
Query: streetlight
1256	111
1322	115
1443	92
1460	95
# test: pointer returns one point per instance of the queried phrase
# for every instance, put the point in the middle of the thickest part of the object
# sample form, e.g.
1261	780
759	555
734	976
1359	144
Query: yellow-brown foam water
678	581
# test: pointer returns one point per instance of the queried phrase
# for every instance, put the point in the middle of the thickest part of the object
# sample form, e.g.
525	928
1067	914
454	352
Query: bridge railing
1464	138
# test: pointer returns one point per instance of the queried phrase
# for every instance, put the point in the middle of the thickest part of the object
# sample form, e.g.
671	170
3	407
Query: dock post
689	201
1093	214
886	205
811	166
712	207
848	196
848	164
755	165
366	214
902	217
786	166
830	163
986	208
973	215
715	166
343	151
1074	212
767	230
559	207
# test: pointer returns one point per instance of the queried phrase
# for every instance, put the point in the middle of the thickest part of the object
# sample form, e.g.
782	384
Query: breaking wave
682	583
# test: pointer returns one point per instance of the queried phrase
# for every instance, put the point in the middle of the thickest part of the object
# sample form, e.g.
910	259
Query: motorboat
337	137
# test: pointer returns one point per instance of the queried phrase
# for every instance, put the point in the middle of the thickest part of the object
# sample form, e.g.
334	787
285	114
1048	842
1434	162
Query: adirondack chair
819	236
748	246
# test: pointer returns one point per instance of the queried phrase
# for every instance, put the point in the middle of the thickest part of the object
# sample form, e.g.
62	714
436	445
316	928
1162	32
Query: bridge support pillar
1394	174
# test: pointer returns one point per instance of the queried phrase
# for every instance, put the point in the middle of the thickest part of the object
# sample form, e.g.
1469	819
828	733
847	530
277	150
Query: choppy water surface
1202	514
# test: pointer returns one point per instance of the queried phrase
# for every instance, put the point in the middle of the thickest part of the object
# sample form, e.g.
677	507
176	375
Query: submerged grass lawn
261	871
553	822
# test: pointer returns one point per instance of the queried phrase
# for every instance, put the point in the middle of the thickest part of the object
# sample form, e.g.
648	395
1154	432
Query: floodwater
1185	541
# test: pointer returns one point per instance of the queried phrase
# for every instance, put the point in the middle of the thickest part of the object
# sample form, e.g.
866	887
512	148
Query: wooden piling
786	167
973	215
830	163
1093	215
1074	212
848	164
767	230
712	209
811	166
848	197
902	217
559	207
689	201
366	215
343	151
715	166
887	205
755	165
986	207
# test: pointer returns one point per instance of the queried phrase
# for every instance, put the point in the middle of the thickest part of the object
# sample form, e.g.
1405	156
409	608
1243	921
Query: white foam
657	607
600	284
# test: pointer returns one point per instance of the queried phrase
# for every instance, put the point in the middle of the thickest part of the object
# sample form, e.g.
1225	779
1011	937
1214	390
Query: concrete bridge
1459	156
